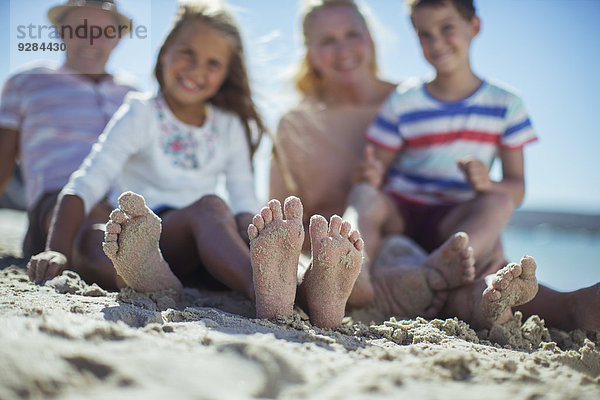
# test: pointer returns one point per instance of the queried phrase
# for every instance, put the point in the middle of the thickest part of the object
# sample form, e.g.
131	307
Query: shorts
422	221
39	217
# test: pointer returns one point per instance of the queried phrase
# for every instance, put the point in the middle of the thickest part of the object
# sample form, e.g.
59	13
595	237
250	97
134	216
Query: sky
548	50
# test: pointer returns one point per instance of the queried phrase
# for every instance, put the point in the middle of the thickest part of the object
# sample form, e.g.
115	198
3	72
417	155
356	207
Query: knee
501	203
213	205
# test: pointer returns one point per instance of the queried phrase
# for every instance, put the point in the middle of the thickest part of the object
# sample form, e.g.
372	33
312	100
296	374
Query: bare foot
336	262
448	267
275	245
131	243
512	286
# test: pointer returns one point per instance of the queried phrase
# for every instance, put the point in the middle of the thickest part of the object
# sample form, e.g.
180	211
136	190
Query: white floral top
146	149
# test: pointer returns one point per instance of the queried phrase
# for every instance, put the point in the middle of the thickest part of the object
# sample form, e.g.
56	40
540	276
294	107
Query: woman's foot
336	263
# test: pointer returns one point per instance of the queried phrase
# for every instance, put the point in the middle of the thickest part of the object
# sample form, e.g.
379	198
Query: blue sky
547	49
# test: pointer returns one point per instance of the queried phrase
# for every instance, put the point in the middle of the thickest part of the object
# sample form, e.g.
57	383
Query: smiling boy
438	139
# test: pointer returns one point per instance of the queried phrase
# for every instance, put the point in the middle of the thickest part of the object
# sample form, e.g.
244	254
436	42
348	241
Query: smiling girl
170	147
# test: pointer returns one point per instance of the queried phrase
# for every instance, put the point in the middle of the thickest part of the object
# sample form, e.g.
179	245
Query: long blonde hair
307	79
234	94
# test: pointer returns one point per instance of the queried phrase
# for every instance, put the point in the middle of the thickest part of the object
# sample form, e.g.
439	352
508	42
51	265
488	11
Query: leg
483	306
39	218
482	218
579	309
205	233
275	245
336	262
89	261
131	243
373	213
419	284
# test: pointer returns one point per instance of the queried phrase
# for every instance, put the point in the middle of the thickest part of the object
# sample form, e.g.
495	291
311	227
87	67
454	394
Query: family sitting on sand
410	159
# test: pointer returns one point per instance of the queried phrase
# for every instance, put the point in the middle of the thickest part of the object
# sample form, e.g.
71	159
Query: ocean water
567	259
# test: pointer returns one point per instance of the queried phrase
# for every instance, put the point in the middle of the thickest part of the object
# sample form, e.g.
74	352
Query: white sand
69	340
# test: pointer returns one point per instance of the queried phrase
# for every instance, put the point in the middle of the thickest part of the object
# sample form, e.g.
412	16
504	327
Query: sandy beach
70	340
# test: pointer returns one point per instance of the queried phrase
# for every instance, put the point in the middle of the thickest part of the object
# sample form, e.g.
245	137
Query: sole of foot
131	243
336	261
276	239
513	285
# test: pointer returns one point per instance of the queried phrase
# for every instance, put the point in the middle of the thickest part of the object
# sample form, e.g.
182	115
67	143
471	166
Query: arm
9	148
512	183
281	181
513	175
238	171
67	219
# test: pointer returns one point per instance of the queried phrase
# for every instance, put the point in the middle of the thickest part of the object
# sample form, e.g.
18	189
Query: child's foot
275	246
449	266
131	243
336	262
512	286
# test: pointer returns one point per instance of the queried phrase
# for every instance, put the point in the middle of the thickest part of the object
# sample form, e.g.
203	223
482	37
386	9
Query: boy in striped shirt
437	140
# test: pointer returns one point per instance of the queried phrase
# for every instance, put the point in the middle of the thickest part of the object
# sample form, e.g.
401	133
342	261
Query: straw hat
55	14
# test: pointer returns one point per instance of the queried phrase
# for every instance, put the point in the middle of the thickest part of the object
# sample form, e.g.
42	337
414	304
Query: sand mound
67	339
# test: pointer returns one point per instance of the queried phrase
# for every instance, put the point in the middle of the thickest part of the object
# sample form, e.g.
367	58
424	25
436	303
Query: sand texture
70	340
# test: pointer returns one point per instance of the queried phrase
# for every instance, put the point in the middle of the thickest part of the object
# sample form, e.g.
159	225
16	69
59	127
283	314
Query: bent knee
503	201
211	203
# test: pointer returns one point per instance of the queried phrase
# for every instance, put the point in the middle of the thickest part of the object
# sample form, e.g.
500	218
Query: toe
529	266
267	215
335	224
110	249
460	240
133	204
356	240
275	207
110	237
345	229
252	231
117	216
359	244
467	253
258	222
502	279
293	208
515	270
491	294
113	227
469	272
318	227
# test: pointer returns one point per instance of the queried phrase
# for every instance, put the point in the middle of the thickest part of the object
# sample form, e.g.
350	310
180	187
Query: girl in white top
170	148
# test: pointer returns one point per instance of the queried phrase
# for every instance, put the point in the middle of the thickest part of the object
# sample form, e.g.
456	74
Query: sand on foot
276	239
513	285
336	252
419	285
132	244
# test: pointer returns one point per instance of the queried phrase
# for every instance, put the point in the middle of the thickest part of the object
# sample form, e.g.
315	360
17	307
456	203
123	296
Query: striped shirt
431	135
59	115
